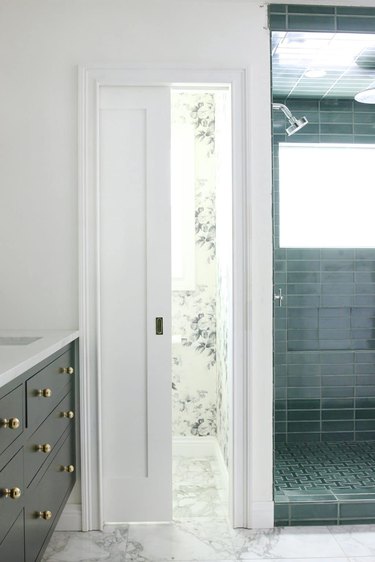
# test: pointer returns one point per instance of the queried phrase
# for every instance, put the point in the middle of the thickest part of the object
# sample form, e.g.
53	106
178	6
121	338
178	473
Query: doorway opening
201	196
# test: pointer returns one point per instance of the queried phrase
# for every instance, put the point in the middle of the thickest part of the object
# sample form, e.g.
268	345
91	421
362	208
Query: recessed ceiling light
315	73
366	96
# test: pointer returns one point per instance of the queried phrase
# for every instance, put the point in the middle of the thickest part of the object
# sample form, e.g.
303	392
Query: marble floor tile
190	501
287	542
356	540
187	470
95	546
196	489
187	540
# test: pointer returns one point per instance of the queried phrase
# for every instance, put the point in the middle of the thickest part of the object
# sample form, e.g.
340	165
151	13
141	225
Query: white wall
41	44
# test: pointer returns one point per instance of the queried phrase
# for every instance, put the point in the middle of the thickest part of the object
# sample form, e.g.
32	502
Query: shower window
327	195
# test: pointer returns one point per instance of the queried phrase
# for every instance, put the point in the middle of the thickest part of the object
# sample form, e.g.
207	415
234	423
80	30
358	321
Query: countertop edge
50	348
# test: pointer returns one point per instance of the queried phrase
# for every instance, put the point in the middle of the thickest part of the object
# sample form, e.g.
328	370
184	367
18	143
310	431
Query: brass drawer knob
13	493
45	392
69	414
46	448
68	370
12	423
44	515
69	468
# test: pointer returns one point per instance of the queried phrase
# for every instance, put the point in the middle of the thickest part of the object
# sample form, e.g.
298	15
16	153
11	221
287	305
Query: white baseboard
194	446
261	515
71	518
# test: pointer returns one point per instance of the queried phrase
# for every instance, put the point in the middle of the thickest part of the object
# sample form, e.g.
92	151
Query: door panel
135	273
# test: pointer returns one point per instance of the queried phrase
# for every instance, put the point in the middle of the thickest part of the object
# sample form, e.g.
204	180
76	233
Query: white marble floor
200	532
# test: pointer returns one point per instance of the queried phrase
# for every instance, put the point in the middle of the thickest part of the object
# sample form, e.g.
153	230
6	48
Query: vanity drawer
41	444
12	547
47	497
11	495
44	389
11	417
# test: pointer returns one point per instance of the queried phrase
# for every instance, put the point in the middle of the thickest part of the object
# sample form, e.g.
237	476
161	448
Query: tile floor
200	532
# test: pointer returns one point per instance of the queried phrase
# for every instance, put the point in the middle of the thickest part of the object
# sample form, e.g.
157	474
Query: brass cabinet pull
68	370
12	423
13	493
45	392
68	468
44	515
46	448
69	414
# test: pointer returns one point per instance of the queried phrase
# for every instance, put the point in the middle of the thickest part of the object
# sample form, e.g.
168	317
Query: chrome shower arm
285	110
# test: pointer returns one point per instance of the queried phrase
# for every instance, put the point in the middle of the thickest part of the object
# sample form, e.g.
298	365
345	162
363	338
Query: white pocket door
135	279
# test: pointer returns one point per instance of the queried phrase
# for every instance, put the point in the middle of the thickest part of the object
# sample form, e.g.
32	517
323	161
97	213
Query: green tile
303	266
303	254
303	437
303	370
340	392
338	278
354	11
281	511
362	425
308	426
365	435
277	22
338	380
303	415
303	277
303	289
337	426
308	498
338	403
329	104
357	509
311	23
337	436
340	414
304	9
336	129
334	300
337	265
357	24
308	511
303	404
355	496
342	358
277	8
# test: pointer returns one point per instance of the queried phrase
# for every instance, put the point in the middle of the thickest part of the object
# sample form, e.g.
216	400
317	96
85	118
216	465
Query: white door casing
251	465
135	288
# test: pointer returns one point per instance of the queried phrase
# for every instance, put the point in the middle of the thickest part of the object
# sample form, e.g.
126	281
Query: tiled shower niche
324	340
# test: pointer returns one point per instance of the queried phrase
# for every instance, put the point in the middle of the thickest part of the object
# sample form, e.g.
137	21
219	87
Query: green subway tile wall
324	347
321	18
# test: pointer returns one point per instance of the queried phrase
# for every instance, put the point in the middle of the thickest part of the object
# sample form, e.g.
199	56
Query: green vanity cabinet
38	453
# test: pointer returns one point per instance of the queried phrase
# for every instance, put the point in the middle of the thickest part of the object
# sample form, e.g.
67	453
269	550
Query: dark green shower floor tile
318	480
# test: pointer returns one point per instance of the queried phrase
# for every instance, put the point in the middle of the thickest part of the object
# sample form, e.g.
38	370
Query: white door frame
247	511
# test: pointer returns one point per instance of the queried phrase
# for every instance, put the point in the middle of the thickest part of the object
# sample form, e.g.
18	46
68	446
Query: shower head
295	124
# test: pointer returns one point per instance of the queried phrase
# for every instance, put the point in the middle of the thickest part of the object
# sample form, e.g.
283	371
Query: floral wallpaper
198	370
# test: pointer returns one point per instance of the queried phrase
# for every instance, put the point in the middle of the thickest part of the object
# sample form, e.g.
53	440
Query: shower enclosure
324	267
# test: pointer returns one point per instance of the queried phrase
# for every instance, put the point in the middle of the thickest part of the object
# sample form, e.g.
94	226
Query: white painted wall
41	44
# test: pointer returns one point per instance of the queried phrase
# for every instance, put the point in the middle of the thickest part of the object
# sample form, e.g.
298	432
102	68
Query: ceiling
341	64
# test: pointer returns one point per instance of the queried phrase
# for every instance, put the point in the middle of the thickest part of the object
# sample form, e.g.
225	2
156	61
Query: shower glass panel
324	307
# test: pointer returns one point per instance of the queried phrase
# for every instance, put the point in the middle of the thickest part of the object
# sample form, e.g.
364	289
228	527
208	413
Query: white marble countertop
16	359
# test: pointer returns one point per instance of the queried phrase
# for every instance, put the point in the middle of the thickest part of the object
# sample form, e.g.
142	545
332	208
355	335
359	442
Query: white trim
71	518
91	77
198	447
261	515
